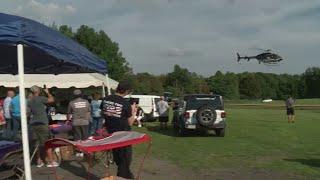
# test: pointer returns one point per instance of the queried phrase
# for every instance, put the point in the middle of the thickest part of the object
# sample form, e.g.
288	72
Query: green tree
312	82
145	83
66	30
199	84
226	85
232	86
249	86
101	44
180	80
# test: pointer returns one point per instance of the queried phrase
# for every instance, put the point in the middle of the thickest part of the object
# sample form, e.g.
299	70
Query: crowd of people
112	113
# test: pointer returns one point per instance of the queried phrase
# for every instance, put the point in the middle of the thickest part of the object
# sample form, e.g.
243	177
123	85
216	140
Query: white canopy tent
80	80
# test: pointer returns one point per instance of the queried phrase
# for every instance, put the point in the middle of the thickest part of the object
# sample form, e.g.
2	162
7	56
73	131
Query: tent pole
103	90
108	84
24	127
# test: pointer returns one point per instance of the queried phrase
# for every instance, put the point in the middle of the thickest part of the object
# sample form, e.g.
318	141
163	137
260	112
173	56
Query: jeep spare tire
206	115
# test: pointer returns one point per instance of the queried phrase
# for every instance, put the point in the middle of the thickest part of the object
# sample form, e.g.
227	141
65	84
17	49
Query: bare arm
69	112
68	117
50	97
133	112
89	111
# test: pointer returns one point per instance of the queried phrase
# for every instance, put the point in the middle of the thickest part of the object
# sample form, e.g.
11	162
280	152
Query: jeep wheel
220	132
206	115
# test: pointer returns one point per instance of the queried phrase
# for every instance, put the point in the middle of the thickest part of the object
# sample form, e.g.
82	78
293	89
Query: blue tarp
46	51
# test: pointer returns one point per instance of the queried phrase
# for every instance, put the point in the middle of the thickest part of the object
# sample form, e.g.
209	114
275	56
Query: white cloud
202	35
290	11
178	52
47	12
71	9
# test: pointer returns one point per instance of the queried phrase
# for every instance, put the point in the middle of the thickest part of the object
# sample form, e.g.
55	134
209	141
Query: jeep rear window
196	103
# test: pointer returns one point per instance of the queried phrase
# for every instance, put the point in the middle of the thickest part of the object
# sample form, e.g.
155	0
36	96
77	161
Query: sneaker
81	154
57	150
139	125
91	138
52	164
39	165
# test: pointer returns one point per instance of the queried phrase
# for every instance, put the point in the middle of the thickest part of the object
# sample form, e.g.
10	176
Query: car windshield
197	102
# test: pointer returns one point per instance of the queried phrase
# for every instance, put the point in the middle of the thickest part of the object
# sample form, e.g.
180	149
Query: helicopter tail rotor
238	55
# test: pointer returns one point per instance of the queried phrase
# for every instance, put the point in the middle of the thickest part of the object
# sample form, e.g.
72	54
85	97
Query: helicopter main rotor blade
260	49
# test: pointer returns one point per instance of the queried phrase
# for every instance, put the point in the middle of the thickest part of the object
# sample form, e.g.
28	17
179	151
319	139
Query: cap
77	92
124	86
35	89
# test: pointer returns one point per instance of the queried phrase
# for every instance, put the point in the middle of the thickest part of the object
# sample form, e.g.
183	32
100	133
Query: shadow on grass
308	162
170	131
76	170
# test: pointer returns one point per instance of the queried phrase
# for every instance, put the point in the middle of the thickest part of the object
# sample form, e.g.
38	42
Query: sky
201	35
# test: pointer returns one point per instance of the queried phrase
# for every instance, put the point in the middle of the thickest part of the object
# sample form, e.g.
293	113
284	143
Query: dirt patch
156	169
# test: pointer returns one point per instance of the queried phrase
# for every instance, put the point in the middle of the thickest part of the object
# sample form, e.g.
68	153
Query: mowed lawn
256	138
314	101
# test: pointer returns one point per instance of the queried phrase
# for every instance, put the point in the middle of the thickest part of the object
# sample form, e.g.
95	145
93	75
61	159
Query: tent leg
108	84
24	127
103	90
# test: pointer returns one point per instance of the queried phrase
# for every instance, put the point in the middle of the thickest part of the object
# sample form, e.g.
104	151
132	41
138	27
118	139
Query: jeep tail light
186	115
223	115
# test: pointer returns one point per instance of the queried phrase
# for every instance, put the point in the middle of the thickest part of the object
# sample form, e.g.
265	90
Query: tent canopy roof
46	51
82	80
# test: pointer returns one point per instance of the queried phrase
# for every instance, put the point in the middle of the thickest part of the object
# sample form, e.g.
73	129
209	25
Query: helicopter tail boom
244	57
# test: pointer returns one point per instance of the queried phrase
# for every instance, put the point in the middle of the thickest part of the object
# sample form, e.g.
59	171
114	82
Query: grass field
315	101
256	138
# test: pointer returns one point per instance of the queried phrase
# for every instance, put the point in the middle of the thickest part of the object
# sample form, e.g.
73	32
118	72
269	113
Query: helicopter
267	57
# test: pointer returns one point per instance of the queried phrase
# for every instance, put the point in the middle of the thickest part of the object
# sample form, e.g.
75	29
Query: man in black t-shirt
119	116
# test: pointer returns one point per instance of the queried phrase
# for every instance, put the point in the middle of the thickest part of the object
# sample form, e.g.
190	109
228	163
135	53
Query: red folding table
113	141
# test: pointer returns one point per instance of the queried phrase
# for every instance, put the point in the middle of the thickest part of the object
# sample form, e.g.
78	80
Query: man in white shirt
163	108
7	113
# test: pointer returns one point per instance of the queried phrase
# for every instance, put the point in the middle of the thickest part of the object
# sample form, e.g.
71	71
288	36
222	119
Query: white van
147	104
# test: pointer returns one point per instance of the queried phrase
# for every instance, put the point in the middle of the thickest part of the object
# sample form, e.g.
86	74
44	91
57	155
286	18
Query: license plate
191	126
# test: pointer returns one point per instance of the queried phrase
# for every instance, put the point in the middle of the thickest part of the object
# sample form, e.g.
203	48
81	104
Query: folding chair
11	165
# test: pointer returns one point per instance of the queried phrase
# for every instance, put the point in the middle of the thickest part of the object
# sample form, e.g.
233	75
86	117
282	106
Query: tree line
246	85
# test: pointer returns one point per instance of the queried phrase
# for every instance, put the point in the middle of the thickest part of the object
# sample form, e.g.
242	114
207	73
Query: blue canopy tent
40	50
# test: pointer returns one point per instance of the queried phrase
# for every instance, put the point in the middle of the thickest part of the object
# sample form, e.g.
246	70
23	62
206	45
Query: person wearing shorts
80	110
39	124
163	108
290	109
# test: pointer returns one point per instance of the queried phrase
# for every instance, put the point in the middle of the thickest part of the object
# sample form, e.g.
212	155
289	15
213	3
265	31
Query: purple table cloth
8	146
